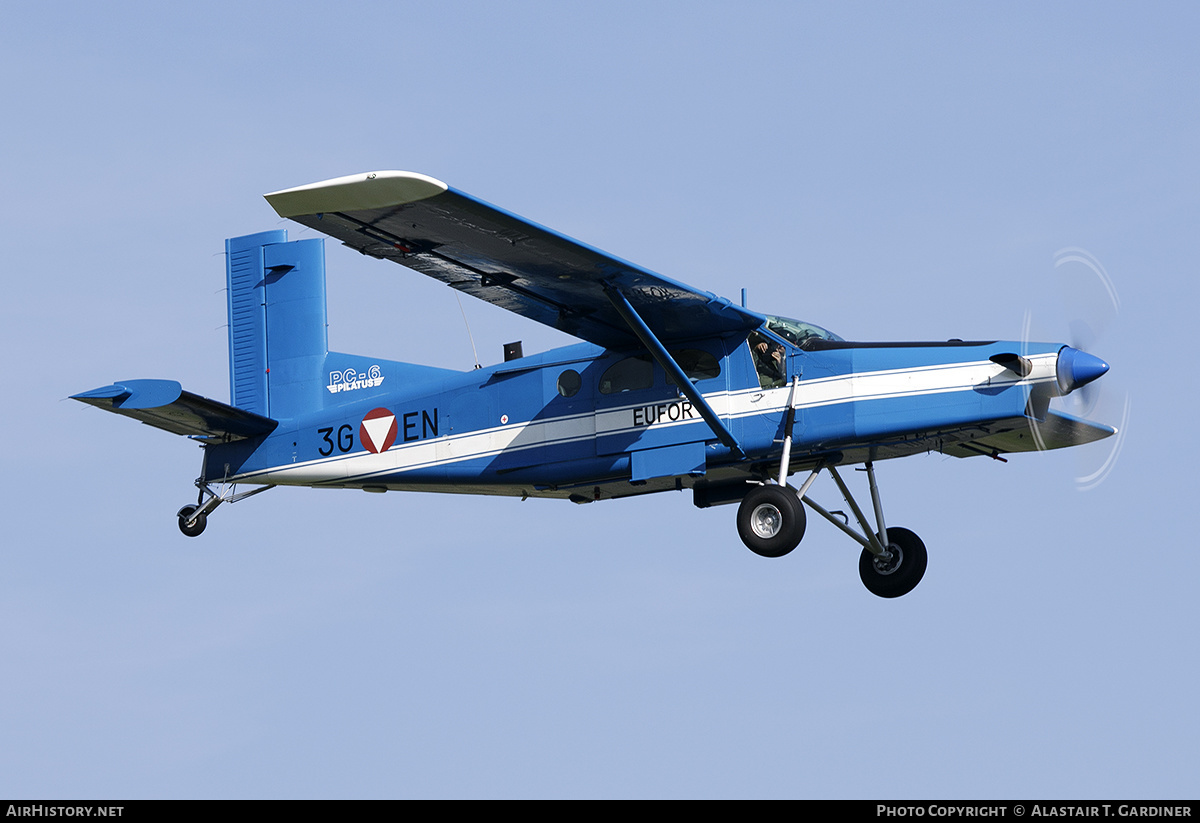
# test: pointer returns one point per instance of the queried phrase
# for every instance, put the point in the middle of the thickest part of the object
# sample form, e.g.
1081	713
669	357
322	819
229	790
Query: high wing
506	260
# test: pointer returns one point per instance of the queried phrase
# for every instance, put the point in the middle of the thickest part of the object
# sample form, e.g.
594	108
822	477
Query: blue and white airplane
672	388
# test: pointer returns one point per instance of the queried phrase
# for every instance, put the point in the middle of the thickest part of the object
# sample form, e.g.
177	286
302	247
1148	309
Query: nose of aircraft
1077	368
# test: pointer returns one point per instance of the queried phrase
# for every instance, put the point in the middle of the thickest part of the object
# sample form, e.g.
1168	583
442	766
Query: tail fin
277	323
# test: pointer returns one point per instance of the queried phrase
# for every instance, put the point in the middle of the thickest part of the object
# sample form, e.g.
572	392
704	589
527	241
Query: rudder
277	323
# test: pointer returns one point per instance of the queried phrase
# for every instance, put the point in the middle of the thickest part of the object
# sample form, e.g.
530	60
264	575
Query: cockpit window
769	360
796	332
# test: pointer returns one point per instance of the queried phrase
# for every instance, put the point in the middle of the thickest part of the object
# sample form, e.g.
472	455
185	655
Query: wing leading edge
506	260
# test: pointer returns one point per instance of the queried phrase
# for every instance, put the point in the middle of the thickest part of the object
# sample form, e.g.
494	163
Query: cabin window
628	375
569	383
697	364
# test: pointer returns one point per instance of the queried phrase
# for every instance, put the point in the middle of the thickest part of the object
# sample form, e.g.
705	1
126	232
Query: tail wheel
196	527
899	572
771	520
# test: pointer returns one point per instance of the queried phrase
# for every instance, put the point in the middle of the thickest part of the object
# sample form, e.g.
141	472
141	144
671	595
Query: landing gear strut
771	519
193	519
771	523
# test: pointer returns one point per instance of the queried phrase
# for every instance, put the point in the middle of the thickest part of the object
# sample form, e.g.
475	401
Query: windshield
796	332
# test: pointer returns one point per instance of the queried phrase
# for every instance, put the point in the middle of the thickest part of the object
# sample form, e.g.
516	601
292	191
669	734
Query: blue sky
888	171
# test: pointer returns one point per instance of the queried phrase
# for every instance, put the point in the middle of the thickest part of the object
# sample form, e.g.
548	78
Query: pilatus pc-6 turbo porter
671	387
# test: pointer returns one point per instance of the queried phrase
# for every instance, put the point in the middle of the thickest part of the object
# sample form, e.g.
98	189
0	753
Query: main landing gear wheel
900	572
195	529
771	520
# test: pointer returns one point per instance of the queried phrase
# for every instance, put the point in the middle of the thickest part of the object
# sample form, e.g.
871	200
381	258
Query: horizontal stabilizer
164	405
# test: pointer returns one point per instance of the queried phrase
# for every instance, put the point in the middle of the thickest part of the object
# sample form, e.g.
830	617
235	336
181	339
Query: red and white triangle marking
378	430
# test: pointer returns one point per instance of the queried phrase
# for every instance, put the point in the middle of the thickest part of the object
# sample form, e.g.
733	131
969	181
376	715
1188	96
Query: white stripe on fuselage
518	436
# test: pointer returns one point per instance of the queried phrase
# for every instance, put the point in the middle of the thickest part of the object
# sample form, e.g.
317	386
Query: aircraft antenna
470	337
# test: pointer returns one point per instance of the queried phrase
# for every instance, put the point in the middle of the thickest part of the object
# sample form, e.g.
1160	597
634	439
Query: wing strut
664	359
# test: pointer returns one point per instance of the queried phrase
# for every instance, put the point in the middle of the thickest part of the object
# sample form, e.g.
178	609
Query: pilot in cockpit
768	361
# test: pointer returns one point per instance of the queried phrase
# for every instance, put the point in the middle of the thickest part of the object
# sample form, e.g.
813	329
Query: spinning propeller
1093	306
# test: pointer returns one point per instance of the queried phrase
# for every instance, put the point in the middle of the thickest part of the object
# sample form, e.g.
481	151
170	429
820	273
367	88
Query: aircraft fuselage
584	423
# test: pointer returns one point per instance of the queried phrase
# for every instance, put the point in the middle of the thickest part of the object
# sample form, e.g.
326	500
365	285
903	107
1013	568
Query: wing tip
355	192
132	394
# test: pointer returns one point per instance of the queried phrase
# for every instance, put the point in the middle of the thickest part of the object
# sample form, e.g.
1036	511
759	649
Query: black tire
196	528
771	520
899	575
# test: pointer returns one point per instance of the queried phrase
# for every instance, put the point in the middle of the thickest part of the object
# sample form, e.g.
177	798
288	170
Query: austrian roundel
378	430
